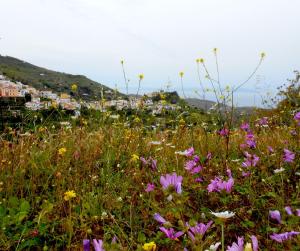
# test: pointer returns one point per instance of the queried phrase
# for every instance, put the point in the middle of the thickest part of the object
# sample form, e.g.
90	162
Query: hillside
59	82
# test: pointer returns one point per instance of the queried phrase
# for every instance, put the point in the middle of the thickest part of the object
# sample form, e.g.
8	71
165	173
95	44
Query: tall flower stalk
141	77
181	81
124	75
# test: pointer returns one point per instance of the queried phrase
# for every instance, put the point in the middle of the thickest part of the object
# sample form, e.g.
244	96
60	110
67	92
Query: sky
158	38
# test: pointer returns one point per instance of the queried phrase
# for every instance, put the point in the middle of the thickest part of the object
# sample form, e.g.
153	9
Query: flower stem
222	230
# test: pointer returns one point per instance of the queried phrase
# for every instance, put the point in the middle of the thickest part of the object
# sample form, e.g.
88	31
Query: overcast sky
158	38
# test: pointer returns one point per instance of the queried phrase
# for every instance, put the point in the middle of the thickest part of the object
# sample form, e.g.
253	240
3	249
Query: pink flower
150	187
224	132
245	127
275	215
170	233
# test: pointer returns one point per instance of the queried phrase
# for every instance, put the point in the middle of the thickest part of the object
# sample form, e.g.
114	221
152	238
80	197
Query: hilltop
41	79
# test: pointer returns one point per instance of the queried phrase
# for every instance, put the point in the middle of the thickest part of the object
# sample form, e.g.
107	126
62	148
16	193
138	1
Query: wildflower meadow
124	187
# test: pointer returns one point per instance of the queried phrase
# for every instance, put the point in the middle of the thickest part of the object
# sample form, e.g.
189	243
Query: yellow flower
134	157
198	60
74	87
181	74
248	247
137	120
62	151
151	246
262	55
201	60
69	195
141	76
122	61
215	50
181	121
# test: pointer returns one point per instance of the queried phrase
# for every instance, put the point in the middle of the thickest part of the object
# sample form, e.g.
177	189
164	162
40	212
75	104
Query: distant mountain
200	103
207	104
44	79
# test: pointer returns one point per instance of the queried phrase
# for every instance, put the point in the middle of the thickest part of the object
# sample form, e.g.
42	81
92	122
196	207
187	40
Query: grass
99	165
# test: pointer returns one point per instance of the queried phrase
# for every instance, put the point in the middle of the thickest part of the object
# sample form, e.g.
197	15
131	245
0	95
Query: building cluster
39	99
45	99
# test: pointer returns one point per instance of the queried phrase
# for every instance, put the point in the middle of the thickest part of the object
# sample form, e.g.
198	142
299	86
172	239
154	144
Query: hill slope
41	78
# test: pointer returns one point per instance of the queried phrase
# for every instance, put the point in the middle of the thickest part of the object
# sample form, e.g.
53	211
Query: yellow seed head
262	55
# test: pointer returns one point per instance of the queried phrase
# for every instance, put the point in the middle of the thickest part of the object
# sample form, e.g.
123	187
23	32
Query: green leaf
25	206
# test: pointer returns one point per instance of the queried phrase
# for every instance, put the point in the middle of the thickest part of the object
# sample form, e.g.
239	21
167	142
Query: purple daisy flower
288	210
98	245
170	233
297	117
250	160
198	229
86	245
275	215
288	156
159	218
171	180
270	149
189	152
254	242
283	236
237	246
217	184
189	165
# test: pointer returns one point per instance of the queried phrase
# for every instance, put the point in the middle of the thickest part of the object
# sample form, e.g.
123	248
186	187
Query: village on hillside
46	99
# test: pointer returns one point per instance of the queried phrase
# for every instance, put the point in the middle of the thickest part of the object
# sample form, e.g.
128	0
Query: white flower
224	215
184	153
114	116
213	247
279	170
104	215
155	142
